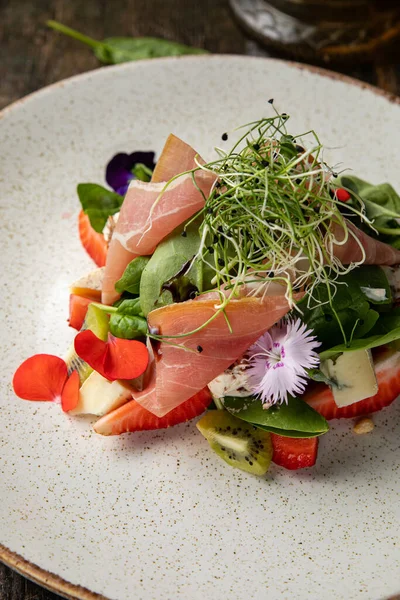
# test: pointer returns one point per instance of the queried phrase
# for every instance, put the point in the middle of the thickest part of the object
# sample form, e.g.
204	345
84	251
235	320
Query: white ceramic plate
158	515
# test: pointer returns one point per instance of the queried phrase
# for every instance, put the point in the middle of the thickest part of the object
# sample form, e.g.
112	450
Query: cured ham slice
376	252
176	154
150	212
186	365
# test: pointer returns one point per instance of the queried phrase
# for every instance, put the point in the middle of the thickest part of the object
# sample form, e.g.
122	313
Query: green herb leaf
116	50
98	203
169	276
130	280
351	304
388	327
128	322
142	172
295	419
382	206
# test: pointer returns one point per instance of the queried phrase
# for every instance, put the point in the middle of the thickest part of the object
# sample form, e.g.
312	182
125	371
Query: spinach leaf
351	303
130	280
386	331
128	322
98	203
169	275
382	206
294	419
116	50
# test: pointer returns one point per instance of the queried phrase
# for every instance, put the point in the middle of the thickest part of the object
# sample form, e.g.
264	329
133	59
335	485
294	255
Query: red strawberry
387	369
94	243
133	417
294	453
78	306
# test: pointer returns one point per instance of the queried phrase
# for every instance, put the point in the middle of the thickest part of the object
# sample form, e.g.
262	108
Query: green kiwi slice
238	443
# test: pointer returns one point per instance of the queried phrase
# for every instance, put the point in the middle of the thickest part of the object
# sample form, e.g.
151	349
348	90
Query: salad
258	291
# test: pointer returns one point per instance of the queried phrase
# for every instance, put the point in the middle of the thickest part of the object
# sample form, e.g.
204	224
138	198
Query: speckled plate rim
33	572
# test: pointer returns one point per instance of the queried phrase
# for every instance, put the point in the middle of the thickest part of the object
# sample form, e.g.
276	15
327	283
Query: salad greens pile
347	308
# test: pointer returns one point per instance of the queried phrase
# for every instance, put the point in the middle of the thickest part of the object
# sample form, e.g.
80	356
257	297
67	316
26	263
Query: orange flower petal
40	377
114	359
70	393
125	359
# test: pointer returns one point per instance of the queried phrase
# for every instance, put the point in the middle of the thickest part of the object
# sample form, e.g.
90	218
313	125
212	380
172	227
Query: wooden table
32	56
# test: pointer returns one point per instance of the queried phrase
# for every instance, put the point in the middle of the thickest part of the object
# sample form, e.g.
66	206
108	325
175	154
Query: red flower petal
40	377
70	393
114	359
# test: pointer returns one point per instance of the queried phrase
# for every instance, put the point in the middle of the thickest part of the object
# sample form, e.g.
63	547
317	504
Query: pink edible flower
278	361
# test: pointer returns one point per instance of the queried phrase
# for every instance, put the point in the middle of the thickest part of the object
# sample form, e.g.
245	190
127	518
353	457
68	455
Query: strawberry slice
115	359
78	306
94	243
294	453
387	370
70	393
133	417
41	377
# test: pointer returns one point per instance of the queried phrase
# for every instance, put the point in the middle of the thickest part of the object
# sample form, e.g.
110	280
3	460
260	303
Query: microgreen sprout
272	217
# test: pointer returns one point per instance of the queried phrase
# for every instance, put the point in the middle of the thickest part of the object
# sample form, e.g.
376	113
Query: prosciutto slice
376	252
150	212
187	364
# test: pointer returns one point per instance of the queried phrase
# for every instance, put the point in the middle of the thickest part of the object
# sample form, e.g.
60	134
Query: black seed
183	234
256	146
328	317
271	101
299	148
251	463
221	262
265	163
220	229
210	210
284	116
215	240
299	181
223	449
210	249
271	274
192	295
199	349
234	432
247	458
228	428
261	446
334	174
224	136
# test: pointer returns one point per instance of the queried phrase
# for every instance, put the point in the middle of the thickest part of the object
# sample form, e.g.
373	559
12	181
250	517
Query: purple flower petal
119	169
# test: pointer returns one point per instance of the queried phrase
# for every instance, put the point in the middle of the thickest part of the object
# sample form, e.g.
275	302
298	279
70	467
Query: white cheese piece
374	294
92	282
353	377
233	382
98	396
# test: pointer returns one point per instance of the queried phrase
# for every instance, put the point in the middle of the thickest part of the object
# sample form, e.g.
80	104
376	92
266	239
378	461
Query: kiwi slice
238	443
97	321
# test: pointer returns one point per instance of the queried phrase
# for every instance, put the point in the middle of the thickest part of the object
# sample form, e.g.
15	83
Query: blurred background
357	37
360	38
